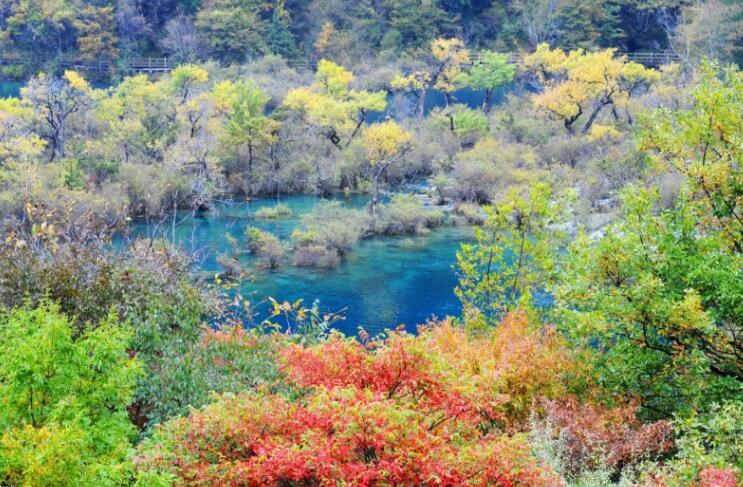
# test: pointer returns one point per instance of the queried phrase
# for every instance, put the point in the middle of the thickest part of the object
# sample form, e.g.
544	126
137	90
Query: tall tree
243	106
55	101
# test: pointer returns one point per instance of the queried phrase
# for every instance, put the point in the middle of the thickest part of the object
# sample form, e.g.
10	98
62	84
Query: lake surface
434	98
382	283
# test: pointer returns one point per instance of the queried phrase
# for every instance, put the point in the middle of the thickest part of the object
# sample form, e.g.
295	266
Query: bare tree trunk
486	100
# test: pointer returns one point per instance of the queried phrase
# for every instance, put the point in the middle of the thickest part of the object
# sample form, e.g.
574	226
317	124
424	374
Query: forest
375	243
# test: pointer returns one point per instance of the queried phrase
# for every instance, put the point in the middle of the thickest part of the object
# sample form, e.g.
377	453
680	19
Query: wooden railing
143	65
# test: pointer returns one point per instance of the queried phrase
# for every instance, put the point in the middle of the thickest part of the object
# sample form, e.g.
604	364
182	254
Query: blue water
382	283
434	98
10	89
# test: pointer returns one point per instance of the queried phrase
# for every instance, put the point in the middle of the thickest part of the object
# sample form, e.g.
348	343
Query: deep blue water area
382	283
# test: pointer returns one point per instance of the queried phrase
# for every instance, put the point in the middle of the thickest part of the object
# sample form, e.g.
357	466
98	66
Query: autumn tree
405	410
97	33
450	56
54	101
331	105
385	144
579	85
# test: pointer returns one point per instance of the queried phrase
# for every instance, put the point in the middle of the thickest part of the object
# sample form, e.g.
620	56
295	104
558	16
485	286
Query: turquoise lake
382	283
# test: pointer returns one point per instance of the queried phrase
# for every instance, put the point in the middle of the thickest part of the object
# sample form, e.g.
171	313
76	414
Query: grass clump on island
331	231
265	246
274	212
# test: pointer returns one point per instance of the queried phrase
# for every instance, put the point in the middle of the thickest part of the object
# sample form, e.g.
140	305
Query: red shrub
596	435
718	477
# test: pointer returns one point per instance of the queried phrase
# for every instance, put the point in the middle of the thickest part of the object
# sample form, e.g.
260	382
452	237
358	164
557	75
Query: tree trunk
486	100
420	106
596	110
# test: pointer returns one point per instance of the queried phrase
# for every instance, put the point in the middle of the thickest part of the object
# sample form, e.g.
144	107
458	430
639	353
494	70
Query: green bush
148	286
14	71
63	417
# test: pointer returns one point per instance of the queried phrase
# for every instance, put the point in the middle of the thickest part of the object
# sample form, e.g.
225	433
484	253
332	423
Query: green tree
417	21
40	30
63	417
279	39
704	144
491	71
514	253
233	28
661	294
243	105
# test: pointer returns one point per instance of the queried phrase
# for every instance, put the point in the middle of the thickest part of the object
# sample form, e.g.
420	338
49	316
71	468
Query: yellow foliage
329	102
384	141
579	82
511	366
544	60
412	82
450	50
604	132
452	55
76	81
565	100
332	78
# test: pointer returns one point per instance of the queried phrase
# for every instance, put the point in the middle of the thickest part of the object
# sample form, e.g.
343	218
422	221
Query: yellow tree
242	107
332	105
580	85
450	56
18	143
385	144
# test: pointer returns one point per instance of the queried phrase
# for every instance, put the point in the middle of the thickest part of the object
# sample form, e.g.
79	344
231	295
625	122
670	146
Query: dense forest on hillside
597	199
38	34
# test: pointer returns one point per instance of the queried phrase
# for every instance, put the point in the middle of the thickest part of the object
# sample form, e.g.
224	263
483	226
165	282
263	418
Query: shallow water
382	283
